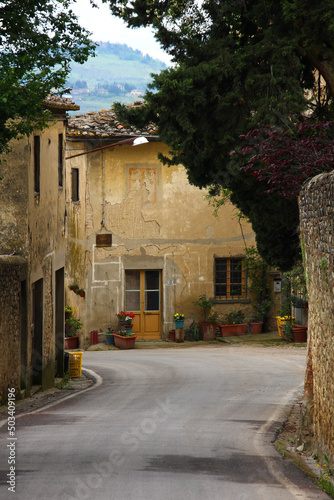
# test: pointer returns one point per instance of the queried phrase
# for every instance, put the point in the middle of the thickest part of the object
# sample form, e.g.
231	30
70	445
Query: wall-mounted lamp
133	141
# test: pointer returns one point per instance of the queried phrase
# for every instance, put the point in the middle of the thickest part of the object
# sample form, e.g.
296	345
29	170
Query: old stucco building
140	237
32	256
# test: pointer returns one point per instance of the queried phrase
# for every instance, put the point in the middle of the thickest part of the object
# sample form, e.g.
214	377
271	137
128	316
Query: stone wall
12	273
317	234
14	200
32	227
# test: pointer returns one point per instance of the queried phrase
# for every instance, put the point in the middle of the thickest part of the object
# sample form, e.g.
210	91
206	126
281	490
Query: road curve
166	424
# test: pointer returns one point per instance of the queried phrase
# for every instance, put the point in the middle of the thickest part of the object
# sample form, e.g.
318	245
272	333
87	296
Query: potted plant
80	292
281	320
192	332
207	328
109	335
121	317
68	311
293	332
299	333
128	322
124	340
255	323
74	287
255	319
257	289
179	320
233	323
72	325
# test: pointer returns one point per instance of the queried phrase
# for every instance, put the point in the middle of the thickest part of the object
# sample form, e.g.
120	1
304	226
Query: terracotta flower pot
207	330
299	333
172	335
124	342
256	327
233	330
71	342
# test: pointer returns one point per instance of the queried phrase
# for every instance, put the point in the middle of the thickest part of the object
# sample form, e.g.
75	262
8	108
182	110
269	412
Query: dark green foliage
239	63
287	330
138	116
39	38
233	318
274	220
205	303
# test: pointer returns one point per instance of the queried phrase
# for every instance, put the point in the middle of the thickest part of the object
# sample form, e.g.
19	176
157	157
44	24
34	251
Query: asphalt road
164	424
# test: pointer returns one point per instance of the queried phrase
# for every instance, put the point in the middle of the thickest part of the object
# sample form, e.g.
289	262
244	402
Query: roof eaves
63	103
104	124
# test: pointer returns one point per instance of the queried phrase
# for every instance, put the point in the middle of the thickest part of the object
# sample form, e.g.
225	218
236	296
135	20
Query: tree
239	63
284	159
38	38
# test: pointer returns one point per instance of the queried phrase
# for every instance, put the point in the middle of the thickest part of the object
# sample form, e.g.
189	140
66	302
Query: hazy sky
107	28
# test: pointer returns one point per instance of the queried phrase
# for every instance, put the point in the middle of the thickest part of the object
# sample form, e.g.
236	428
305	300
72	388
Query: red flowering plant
121	316
285	158
127	317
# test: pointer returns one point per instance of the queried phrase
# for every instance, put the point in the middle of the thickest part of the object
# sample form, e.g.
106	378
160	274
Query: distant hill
116	73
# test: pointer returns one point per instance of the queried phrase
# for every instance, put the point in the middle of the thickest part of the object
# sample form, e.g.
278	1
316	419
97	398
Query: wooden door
143	297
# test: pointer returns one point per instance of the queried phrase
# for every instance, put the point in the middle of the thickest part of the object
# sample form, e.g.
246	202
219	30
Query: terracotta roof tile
56	102
103	124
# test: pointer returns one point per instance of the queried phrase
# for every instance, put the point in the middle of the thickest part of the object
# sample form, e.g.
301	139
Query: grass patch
326	476
327	487
64	383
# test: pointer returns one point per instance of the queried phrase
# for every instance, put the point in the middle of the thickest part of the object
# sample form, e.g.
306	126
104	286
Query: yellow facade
164	239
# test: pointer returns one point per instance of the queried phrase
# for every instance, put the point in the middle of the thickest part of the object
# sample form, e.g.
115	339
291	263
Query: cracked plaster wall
157	221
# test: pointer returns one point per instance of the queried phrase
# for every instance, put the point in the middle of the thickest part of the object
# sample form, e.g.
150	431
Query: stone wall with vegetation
317	234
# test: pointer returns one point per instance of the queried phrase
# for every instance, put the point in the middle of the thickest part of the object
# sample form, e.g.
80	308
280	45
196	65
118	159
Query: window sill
230	301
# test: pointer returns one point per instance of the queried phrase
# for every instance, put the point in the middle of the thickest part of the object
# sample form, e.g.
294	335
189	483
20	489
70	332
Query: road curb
49	398
96	379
